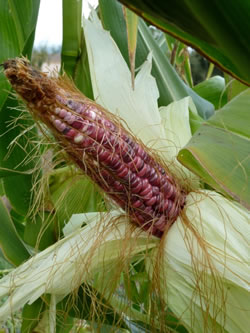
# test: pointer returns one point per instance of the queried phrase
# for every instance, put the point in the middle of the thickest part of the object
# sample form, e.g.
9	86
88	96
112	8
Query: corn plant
125	190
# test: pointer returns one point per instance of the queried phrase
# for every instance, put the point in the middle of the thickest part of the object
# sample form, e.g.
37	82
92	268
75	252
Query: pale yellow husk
64	266
206	277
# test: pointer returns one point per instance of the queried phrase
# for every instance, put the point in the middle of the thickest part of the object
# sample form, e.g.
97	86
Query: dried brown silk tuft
133	177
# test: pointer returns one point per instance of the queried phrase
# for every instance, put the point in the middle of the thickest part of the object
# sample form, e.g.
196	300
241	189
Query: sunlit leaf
219	152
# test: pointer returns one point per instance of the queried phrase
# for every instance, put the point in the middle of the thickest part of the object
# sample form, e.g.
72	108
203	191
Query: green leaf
217	29
17	30
4	264
195	121
17	26
113	20
40	231
82	73
18	221
233	86
170	85
31	315
1	188
64	323
74	56
19	196
71	45
132	27
213	90
75	195
182	62
82	305
219	152
11	244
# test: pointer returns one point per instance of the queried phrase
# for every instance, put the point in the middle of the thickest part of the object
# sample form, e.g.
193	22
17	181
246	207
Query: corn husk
206	283
64	266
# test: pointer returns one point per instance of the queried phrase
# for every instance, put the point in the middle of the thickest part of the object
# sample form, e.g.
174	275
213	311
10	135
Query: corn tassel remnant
101	147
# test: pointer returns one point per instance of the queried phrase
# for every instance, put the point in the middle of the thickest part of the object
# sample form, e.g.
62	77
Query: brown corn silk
133	177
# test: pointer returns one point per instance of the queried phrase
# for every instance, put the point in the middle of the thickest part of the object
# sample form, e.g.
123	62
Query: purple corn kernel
105	151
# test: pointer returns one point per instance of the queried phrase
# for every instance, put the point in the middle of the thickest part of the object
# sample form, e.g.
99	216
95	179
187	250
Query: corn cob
101	147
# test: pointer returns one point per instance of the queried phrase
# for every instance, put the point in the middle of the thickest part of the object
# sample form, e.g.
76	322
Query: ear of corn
106	152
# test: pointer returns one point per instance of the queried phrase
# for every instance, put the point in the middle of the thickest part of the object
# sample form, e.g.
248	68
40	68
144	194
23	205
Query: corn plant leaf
10	243
234	87
74	56
64	325
4	264
132	27
71	45
213	90
40	231
219	151
112	18
15	159
17	26
81	307
217	29
170	85
180	57
82	73
17	31
31	315
75	195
